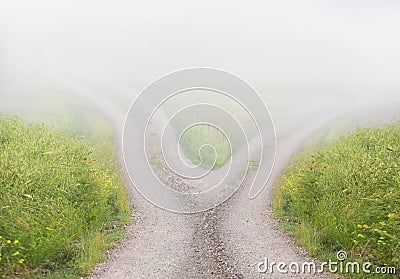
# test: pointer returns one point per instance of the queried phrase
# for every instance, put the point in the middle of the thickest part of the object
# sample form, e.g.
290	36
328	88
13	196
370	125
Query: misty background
307	55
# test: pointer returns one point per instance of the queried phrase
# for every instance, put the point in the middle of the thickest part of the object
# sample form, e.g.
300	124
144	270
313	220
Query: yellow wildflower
365	227
8	241
382	223
355	241
16	242
391	215
359	226
360	235
21	261
15	254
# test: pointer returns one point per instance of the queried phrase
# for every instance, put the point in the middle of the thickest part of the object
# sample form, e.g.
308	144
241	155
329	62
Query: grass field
200	135
197	136
61	196
345	196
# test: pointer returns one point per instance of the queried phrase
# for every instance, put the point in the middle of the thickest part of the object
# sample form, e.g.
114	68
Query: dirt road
226	242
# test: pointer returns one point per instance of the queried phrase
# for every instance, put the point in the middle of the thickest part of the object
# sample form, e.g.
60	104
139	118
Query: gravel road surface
226	242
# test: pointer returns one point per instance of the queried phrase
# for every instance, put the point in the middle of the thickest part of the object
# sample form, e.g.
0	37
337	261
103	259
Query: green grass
41	100
196	137
201	134
61	196
345	195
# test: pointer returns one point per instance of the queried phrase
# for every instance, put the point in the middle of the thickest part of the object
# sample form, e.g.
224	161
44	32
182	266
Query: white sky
301	46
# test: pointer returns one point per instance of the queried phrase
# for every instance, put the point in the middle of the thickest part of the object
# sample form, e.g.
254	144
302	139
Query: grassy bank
61	196
200	135
201	138
345	196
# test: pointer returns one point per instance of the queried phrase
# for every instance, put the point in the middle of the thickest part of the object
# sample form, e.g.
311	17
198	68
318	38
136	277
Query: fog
295	53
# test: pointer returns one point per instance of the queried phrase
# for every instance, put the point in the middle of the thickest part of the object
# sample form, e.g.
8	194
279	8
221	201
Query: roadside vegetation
196	143
345	196
203	135
62	201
